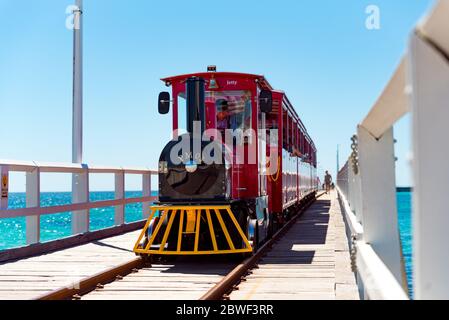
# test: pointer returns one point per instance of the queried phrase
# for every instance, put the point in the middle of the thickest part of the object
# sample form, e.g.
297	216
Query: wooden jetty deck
311	261
32	277
187	279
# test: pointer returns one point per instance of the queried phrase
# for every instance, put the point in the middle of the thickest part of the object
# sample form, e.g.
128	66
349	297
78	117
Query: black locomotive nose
188	180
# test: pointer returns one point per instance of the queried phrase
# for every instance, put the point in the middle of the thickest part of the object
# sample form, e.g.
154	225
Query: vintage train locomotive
239	164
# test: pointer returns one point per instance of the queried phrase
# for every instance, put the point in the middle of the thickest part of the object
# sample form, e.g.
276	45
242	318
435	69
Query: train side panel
297	160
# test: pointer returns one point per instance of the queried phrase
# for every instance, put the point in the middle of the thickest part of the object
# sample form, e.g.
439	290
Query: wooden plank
181	281
162	286
144	295
237	295
346	292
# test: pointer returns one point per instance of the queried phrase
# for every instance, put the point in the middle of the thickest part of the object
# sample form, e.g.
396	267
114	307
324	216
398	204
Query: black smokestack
195	103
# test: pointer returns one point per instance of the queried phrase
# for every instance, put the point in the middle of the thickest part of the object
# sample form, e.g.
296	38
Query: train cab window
289	134
233	109
182	113
294	136
284	129
307	149
271	123
298	139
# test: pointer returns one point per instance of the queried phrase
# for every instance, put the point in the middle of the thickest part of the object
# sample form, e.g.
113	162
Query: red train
240	163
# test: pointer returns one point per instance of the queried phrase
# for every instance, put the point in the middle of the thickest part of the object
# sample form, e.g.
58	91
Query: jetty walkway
311	261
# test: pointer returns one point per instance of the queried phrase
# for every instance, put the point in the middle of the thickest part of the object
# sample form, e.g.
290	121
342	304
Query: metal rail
228	283
76	290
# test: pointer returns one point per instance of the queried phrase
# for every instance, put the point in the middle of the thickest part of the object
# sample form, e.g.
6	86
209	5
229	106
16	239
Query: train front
195	214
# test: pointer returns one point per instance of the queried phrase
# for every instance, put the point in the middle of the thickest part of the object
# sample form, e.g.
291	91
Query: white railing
367	185
80	207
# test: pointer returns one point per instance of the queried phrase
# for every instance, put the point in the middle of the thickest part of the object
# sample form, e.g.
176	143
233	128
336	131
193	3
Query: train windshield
232	109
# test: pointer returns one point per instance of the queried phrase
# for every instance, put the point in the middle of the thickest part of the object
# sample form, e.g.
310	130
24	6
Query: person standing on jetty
327	181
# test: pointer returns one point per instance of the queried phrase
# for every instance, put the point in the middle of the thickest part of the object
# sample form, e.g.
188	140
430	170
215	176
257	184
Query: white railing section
33	210
367	186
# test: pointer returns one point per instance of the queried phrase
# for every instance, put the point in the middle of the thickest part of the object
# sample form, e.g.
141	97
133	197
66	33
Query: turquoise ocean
56	226
404	200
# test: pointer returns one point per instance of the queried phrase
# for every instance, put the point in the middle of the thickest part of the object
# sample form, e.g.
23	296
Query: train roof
262	81
181	77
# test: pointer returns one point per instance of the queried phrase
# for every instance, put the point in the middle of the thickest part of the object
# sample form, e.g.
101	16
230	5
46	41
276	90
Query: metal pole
80	181
338	159
77	125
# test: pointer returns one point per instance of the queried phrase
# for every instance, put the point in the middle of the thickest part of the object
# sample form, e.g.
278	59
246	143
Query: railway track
189	278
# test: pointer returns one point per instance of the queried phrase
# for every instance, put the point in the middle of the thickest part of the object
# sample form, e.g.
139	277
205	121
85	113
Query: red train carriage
239	164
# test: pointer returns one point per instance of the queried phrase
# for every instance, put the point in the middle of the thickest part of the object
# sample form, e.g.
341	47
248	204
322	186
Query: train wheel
278	221
253	234
270	232
168	258
288	214
147	259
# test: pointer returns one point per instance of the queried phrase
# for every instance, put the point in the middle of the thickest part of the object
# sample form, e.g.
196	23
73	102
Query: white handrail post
379	209
358	198
146	192
354	193
430	111
351	191
80	194
4	187
33	196
345	181
119	217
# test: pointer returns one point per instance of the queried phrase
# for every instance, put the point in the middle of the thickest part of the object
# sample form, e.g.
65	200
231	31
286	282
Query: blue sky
318	52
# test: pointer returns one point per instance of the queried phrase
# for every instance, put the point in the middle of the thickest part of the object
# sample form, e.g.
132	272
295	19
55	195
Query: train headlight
191	166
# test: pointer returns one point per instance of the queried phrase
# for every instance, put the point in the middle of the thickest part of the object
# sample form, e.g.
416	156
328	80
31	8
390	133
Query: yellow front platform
190	218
